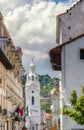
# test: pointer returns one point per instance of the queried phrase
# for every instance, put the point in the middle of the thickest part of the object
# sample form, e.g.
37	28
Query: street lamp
63	98
67	104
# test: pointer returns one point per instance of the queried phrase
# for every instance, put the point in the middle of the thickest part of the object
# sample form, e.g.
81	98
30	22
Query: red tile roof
48	116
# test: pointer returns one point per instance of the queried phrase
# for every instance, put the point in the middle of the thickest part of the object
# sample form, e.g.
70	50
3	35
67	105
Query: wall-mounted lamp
63	98
67	104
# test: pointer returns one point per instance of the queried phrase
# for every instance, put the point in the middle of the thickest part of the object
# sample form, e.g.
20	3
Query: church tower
32	91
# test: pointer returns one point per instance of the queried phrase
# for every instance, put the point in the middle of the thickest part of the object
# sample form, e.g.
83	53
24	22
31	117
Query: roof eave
56	62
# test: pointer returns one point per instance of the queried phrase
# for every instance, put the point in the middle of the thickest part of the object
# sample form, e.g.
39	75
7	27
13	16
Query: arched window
32	78
33	100
28	78
36	78
32	127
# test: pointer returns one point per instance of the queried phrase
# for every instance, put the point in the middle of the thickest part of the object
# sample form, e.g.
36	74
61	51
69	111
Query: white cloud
32	26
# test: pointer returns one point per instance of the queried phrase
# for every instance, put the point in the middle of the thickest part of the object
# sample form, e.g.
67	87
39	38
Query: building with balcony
11	71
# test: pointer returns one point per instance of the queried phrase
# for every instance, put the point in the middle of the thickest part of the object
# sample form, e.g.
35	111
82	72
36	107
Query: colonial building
32	90
68	58
55	107
11	70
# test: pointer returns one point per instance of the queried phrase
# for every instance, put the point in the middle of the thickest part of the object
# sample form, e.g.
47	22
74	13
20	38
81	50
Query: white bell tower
32	91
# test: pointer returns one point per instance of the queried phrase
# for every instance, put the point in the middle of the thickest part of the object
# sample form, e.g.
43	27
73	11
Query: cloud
33	27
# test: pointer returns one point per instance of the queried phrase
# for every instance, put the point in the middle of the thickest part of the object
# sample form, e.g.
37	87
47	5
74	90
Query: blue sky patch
60	0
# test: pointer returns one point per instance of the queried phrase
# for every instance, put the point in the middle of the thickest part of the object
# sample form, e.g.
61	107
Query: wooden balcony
55	58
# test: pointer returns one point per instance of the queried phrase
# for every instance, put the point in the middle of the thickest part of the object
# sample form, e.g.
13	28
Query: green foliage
47	81
76	112
47	84
46	107
73	98
23	79
82	90
46	90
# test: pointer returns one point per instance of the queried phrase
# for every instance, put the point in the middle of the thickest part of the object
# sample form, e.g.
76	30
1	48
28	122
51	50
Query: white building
68	58
32	91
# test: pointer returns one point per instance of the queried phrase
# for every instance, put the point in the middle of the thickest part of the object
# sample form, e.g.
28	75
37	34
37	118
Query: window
33	100
28	78
32	127
1	32
0	80
77	129
81	54
2	126
36	78
32	78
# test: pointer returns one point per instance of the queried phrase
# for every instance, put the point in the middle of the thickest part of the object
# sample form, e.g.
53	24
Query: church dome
32	64
32	76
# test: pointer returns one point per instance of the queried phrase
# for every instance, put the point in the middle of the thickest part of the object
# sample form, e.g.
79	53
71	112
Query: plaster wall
72	75
72	22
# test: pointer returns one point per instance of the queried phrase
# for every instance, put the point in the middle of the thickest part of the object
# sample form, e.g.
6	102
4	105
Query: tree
46	107
76	112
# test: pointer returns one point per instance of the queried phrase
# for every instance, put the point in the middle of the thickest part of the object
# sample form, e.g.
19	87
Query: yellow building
11	71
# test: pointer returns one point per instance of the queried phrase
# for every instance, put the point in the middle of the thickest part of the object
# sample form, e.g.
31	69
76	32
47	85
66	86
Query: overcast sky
32	26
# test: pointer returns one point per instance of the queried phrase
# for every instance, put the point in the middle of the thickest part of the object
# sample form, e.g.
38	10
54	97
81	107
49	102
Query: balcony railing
4	112
0	109
16	116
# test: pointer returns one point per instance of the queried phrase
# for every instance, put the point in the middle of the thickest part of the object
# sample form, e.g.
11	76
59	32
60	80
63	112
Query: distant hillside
45	80
47	83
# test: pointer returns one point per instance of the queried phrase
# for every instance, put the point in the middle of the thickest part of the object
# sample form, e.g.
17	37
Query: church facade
32	91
